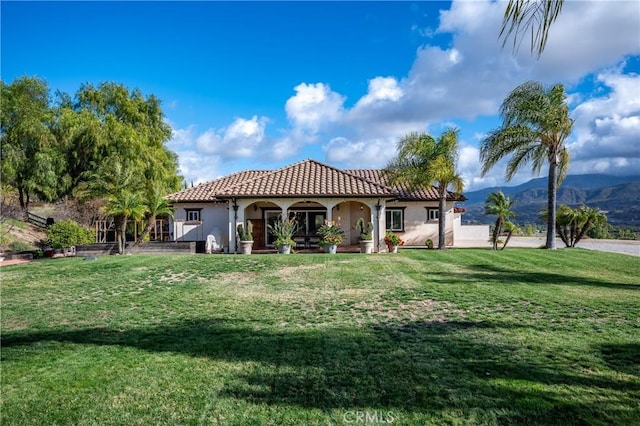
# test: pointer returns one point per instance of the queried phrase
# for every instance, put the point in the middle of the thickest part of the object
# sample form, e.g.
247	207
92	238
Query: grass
465	336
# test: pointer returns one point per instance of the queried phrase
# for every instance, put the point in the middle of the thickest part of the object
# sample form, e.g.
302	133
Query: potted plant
283	231
393	241
331	236
246	237
366	235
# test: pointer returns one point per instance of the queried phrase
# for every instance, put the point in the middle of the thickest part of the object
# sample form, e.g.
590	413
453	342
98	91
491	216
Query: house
312	192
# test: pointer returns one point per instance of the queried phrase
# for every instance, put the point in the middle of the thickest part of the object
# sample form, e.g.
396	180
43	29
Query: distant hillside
616	195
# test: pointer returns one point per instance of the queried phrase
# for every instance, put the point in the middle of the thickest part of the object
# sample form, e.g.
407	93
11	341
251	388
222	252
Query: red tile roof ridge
229	189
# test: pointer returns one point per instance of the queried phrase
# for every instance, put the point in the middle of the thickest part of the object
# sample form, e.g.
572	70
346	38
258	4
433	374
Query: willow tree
30	160
529	16
121	137
423	161
535	125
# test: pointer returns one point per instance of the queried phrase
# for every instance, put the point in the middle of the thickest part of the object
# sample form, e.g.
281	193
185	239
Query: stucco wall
214	221
470	232
417	227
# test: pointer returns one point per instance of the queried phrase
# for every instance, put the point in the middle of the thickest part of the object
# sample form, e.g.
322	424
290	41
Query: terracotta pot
246	246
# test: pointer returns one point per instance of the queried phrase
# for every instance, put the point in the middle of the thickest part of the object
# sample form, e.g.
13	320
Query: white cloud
313	106
606	136
372	153
381	89
240	139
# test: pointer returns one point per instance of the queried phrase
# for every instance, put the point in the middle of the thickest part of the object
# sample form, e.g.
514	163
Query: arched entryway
346	214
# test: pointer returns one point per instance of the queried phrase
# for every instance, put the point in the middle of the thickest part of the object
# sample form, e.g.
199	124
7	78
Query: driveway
615	246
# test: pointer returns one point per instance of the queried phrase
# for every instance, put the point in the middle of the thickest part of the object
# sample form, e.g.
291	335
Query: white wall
417	227
214	220
470	232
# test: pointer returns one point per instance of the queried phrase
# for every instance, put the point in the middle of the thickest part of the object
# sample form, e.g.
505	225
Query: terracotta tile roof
307	178
206	191
402	191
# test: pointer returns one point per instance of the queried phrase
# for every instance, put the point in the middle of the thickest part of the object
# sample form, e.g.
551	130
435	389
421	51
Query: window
193	215
395	219
432	214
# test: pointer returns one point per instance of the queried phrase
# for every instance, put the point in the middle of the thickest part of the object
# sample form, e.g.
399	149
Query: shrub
68	233
282	231
392	239
627	234
246	234
365	229
18	246
331	233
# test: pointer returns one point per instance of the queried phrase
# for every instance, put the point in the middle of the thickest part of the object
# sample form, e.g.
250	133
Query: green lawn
465	336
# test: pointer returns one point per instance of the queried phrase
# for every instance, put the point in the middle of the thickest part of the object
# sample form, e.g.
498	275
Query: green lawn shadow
419	367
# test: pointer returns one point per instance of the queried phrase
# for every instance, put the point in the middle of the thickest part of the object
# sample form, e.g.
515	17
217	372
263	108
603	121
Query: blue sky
259	85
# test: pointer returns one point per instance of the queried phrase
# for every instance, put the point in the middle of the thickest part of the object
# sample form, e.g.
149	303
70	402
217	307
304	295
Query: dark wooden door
258	233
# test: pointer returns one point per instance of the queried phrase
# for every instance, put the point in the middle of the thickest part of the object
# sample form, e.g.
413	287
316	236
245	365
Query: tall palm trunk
506	241
122	234
151	223
496	232
551	202
441	218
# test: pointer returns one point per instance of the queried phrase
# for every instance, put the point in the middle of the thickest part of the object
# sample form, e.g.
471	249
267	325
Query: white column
232	228
381	229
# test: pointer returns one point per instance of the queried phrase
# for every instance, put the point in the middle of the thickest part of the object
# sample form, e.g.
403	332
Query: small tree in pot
283	231
366	235
246	237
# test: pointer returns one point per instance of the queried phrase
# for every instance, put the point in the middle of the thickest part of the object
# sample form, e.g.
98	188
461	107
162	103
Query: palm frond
536	16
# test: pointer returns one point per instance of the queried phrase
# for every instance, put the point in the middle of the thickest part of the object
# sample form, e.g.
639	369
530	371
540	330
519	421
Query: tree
520	16
120	153
155	205
499	205
535	125
423	161
573	224
120	186
511	228
31	161
123	206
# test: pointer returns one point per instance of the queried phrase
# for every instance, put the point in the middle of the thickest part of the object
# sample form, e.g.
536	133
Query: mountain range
617	196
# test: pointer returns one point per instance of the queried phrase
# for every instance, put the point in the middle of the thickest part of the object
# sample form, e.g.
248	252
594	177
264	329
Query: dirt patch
404	312
288	272
172	277
237	278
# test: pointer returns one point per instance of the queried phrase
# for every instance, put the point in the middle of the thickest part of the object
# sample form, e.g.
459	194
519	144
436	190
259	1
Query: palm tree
155	205
424	161
510	227
535	125
573	224
113	182
536	15
498	204
124	206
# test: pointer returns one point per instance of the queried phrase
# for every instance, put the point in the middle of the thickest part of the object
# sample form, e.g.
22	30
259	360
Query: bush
68	233
627	234
18	246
